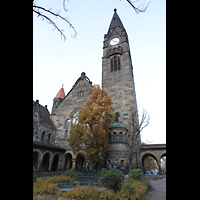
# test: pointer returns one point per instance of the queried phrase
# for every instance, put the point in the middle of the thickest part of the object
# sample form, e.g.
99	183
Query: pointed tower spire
61	93
116	21
58	100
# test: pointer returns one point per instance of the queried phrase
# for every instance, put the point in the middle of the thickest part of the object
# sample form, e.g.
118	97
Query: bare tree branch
132	141
137	10
39	10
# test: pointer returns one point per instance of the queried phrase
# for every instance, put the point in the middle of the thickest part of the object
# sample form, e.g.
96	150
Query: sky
57	62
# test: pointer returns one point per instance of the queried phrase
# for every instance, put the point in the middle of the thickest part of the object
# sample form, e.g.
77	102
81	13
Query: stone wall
71	104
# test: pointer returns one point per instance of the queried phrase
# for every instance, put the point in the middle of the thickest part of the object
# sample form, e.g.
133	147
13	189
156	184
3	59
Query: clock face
114	41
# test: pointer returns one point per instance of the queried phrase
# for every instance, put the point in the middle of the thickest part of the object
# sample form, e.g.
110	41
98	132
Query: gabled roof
116	21
82	77
44	115
61	93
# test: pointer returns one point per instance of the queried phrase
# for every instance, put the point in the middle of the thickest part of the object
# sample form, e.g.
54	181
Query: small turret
58	100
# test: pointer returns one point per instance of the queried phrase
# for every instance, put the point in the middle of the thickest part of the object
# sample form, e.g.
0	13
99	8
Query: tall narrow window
112	64
120	136
122	164
42	138
114	136
115	63
66	126
118	61
49	138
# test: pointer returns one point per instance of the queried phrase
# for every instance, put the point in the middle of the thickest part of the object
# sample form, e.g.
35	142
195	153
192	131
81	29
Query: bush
42	186
71	173
140	189
111	179
137	174
34	175
83	192
47	185
103	171
107	194
127	192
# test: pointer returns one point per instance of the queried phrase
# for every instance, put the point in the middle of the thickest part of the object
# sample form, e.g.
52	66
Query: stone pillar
38	165
159	167
50	162
60	167
74	163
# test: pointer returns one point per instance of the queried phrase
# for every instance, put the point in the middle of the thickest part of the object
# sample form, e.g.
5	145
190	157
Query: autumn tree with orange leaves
90	134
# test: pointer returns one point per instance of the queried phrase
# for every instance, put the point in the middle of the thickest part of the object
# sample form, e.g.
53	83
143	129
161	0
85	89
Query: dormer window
115	63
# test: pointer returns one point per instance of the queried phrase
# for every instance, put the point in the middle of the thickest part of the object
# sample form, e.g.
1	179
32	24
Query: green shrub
112	179
34	175
137	174
103	171
71	173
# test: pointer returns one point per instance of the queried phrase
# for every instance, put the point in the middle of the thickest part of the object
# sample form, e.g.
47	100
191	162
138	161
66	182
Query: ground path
159	191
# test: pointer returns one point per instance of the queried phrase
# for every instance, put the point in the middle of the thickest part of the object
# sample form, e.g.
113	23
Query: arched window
122	164
75	118
66	126
120	136
66	133
114	136
49	138
115	63
42	137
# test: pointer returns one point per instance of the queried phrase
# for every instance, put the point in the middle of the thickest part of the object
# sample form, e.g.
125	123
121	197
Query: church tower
117	73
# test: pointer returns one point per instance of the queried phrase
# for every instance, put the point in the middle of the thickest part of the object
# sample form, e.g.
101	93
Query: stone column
38	165
50	162
74	163
60	166
159	167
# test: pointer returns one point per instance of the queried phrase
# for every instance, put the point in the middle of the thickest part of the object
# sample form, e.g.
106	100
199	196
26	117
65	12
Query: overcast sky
57	62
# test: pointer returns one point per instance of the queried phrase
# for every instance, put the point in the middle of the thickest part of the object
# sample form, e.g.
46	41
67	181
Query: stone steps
83	179
74	184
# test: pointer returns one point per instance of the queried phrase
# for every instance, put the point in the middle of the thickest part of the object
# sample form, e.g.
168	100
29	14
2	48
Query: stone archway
163	163
45	162
68	161
79	162
146	155
35	159
54	165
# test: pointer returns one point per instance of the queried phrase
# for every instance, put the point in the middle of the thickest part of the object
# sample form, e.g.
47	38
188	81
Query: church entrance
79	162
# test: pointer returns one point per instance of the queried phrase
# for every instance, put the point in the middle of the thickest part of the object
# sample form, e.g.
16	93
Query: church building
51	151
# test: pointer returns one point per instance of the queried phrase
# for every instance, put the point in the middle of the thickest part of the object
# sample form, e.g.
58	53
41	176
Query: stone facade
50	136
118	78
46	156
119	83
43	128
71	104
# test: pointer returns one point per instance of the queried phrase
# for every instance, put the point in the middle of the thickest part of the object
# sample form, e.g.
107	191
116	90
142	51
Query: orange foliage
91	132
